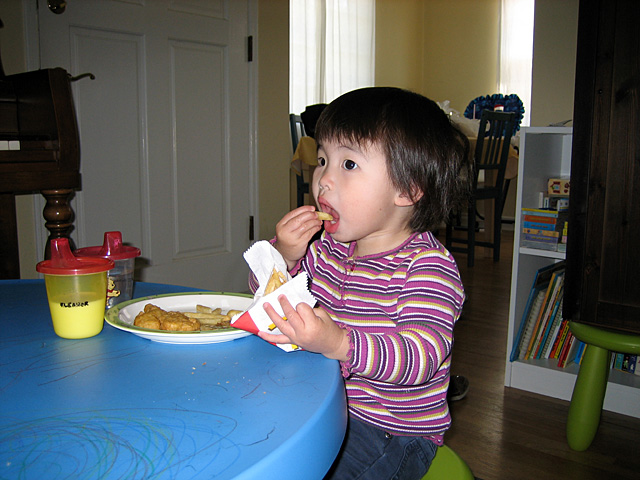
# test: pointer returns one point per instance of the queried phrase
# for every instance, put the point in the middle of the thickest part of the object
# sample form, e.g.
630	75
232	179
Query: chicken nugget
158	319
178	322
147	320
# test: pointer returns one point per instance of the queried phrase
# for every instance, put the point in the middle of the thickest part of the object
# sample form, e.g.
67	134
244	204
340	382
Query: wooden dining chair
489	165
509	103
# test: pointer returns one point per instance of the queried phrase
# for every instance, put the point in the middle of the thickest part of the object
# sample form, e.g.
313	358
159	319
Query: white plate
122	316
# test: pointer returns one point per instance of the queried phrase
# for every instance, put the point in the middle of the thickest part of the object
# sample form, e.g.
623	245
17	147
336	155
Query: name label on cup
74	304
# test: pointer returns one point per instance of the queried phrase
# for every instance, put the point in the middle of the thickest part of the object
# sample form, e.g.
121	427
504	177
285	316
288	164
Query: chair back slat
492	146
297	129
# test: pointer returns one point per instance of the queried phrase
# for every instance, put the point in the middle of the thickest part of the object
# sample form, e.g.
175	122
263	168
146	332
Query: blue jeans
369	453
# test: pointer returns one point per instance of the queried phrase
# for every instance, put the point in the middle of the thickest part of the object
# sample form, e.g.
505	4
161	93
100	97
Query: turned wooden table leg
59	217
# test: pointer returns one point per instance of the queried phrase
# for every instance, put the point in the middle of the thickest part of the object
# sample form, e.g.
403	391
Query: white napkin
262	258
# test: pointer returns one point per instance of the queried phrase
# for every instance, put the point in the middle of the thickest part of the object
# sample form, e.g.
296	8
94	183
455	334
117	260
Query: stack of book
626	362
562	244
542	228
543	333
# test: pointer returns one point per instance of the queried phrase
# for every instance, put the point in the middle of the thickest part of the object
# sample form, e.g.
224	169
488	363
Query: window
516	51
331	49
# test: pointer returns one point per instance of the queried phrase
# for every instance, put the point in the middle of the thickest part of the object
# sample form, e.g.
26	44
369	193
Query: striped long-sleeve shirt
400	308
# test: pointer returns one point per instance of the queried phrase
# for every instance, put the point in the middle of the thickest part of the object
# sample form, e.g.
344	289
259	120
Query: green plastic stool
588	393
447	465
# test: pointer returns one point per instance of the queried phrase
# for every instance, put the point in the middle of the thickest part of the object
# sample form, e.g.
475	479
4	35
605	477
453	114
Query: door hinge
250	48
251	228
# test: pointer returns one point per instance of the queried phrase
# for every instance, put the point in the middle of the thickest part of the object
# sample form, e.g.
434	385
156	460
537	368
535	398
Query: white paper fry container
262	258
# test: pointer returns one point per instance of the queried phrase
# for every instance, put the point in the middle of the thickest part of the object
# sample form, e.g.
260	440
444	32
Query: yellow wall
554	61
399	29
460	50
274	138
446	50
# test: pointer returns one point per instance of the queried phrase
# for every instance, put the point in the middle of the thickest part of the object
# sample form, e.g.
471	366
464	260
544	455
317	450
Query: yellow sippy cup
76	290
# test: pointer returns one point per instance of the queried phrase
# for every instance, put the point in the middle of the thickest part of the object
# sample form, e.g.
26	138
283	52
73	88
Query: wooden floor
504	433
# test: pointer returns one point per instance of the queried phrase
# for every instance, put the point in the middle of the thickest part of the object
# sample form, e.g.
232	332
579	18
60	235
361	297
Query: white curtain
516	51
331	49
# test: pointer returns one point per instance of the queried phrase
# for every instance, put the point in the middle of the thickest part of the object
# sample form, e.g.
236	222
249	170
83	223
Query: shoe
458	388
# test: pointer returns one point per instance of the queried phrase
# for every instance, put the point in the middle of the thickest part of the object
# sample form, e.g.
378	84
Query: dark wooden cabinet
603	254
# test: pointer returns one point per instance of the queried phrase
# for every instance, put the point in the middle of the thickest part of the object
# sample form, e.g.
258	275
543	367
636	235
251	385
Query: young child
389	171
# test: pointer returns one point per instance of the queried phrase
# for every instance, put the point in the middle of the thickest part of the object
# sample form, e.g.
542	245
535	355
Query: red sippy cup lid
112	248
64	262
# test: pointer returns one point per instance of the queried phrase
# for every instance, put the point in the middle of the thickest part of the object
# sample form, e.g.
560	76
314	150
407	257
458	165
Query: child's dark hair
424	150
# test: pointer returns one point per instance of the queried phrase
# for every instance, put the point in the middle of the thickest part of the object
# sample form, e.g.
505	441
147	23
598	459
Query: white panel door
164	131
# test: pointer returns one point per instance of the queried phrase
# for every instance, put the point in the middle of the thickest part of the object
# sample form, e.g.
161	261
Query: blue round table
119	406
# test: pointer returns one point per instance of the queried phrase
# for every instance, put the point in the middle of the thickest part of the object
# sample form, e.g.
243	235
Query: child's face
352	184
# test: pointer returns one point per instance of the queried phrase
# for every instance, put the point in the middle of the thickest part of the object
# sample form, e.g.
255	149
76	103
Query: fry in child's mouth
324	216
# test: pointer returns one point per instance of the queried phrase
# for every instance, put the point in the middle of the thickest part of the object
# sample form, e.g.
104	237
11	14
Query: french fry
205	309
208	328
324	216
276	280
223	321
209	318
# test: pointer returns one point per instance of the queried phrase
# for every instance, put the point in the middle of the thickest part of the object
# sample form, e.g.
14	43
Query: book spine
556	287
539	212
531	318
538	219
557	347
537	231
536	329
554	320
539	238
543	318
539	226
562	359
618	363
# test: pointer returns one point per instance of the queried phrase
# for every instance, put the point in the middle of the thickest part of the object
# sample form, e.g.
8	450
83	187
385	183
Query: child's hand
309	328
294	232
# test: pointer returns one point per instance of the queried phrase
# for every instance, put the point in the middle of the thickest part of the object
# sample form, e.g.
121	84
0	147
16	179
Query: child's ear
406	200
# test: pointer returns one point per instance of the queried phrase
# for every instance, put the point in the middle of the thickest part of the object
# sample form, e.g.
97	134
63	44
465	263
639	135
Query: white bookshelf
545	152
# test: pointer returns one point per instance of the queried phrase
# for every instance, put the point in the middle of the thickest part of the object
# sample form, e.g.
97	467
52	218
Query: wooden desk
118	406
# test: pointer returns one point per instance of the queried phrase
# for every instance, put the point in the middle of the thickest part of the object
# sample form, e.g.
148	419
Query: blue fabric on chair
510	103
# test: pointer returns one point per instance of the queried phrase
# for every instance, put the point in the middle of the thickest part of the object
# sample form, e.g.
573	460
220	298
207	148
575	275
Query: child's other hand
294	232
310	328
